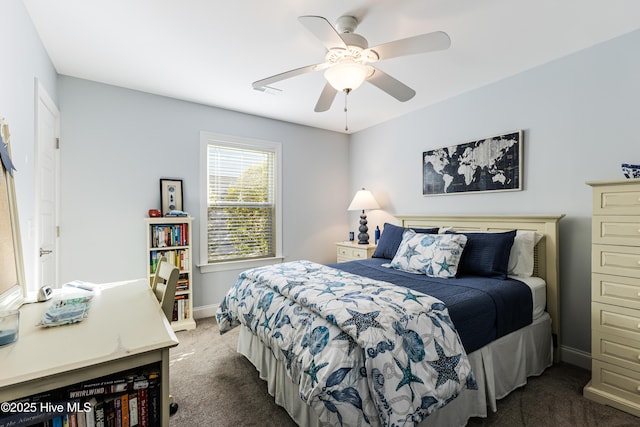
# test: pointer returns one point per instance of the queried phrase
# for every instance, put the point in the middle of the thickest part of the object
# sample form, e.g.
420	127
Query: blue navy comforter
482	309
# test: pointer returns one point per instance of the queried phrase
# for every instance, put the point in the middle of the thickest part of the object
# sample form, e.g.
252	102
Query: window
242	180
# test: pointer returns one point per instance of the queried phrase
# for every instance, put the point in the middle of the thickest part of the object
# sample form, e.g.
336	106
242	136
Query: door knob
44	252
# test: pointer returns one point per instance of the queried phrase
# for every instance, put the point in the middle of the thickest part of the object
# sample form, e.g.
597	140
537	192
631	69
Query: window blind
241	203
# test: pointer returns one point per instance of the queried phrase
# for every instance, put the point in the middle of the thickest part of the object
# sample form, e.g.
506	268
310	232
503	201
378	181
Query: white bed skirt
499	368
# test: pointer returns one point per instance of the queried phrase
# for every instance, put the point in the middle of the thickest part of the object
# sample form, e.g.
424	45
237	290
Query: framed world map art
489	164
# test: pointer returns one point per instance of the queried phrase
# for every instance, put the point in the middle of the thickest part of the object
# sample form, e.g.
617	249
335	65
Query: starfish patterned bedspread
362	351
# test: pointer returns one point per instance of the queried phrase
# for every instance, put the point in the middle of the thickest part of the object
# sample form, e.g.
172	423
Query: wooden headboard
546	251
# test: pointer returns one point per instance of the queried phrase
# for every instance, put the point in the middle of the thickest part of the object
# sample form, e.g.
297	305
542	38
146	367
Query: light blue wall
116	145
580	115
24	61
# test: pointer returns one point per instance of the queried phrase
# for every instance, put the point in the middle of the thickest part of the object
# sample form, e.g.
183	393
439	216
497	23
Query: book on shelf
183	282
90	415
181	307
165	235
133	409
127	399
124	409
99	414
178	257
143	408
109	412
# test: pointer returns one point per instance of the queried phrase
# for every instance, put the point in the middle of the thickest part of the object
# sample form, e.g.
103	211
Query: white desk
125	329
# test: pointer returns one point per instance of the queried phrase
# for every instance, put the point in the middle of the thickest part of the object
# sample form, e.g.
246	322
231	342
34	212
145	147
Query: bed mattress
538	289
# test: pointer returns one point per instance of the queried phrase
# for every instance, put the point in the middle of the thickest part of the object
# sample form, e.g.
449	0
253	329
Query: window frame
210	138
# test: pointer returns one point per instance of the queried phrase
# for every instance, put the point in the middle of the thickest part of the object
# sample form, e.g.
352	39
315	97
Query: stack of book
128	399
169	235
181	307
179	258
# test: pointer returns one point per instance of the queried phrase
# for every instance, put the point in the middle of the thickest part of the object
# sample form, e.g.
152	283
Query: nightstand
348	251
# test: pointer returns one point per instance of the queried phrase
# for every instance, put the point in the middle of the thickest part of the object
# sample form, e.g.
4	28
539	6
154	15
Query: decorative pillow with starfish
435	255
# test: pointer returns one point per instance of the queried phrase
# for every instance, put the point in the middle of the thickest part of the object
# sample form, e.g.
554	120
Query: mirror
12	285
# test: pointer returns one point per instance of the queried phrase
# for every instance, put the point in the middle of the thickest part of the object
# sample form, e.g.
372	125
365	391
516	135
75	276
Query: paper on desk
66	311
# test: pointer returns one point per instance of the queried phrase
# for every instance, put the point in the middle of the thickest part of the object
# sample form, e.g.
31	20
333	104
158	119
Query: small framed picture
170	195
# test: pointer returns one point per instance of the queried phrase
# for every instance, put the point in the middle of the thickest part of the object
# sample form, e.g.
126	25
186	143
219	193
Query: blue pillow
486	254
391	237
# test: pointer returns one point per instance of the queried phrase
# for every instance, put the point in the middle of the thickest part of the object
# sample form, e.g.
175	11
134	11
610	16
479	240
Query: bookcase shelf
172	238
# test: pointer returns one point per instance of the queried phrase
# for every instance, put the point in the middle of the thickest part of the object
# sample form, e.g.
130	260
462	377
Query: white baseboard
205	311
575	357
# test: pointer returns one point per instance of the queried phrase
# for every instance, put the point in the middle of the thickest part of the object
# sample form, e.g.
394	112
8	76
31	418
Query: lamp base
363	237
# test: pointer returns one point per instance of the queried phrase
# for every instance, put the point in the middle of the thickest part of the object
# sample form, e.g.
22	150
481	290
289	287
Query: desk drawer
617	200
611	319
617	290
618	381
617	260
616	230
616	350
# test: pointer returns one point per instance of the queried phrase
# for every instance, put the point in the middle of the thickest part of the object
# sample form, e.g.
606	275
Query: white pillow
436	255
521	256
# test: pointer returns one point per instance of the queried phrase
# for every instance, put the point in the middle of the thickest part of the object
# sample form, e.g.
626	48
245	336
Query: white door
47	133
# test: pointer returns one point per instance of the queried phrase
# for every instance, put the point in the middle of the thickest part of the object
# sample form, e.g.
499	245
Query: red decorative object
154	213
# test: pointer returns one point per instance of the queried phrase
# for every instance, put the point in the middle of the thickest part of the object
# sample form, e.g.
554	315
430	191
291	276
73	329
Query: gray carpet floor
216	386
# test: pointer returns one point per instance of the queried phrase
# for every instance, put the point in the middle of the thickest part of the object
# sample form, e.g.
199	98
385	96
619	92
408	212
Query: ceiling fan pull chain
346	95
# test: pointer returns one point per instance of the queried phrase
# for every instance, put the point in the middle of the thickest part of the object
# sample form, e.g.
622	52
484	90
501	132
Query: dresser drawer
621	382
617	260
622	199
611	319
616	230
617	290
616	350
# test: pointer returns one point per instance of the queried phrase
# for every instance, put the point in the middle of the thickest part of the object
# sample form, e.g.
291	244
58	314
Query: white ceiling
210	51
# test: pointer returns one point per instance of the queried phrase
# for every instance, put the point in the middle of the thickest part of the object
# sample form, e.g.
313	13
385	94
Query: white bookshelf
177	248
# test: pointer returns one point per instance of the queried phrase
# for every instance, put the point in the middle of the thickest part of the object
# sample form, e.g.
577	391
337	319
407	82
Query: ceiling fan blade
326	98
423	43
323	30
393	87
261	84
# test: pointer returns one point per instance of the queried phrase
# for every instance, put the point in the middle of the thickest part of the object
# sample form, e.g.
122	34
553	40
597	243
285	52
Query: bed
383	387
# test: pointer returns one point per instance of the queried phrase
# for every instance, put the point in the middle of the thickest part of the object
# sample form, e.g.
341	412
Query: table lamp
362	201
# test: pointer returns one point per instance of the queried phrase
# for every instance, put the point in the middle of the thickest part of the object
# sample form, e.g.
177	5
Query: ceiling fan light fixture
347	74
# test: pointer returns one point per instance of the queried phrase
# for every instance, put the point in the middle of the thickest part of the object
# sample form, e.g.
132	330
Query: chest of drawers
615	295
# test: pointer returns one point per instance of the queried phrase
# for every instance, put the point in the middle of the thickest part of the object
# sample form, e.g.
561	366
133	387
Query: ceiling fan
348	59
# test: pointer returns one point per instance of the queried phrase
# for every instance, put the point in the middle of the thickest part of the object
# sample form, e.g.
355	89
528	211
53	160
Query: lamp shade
363	200
346	74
